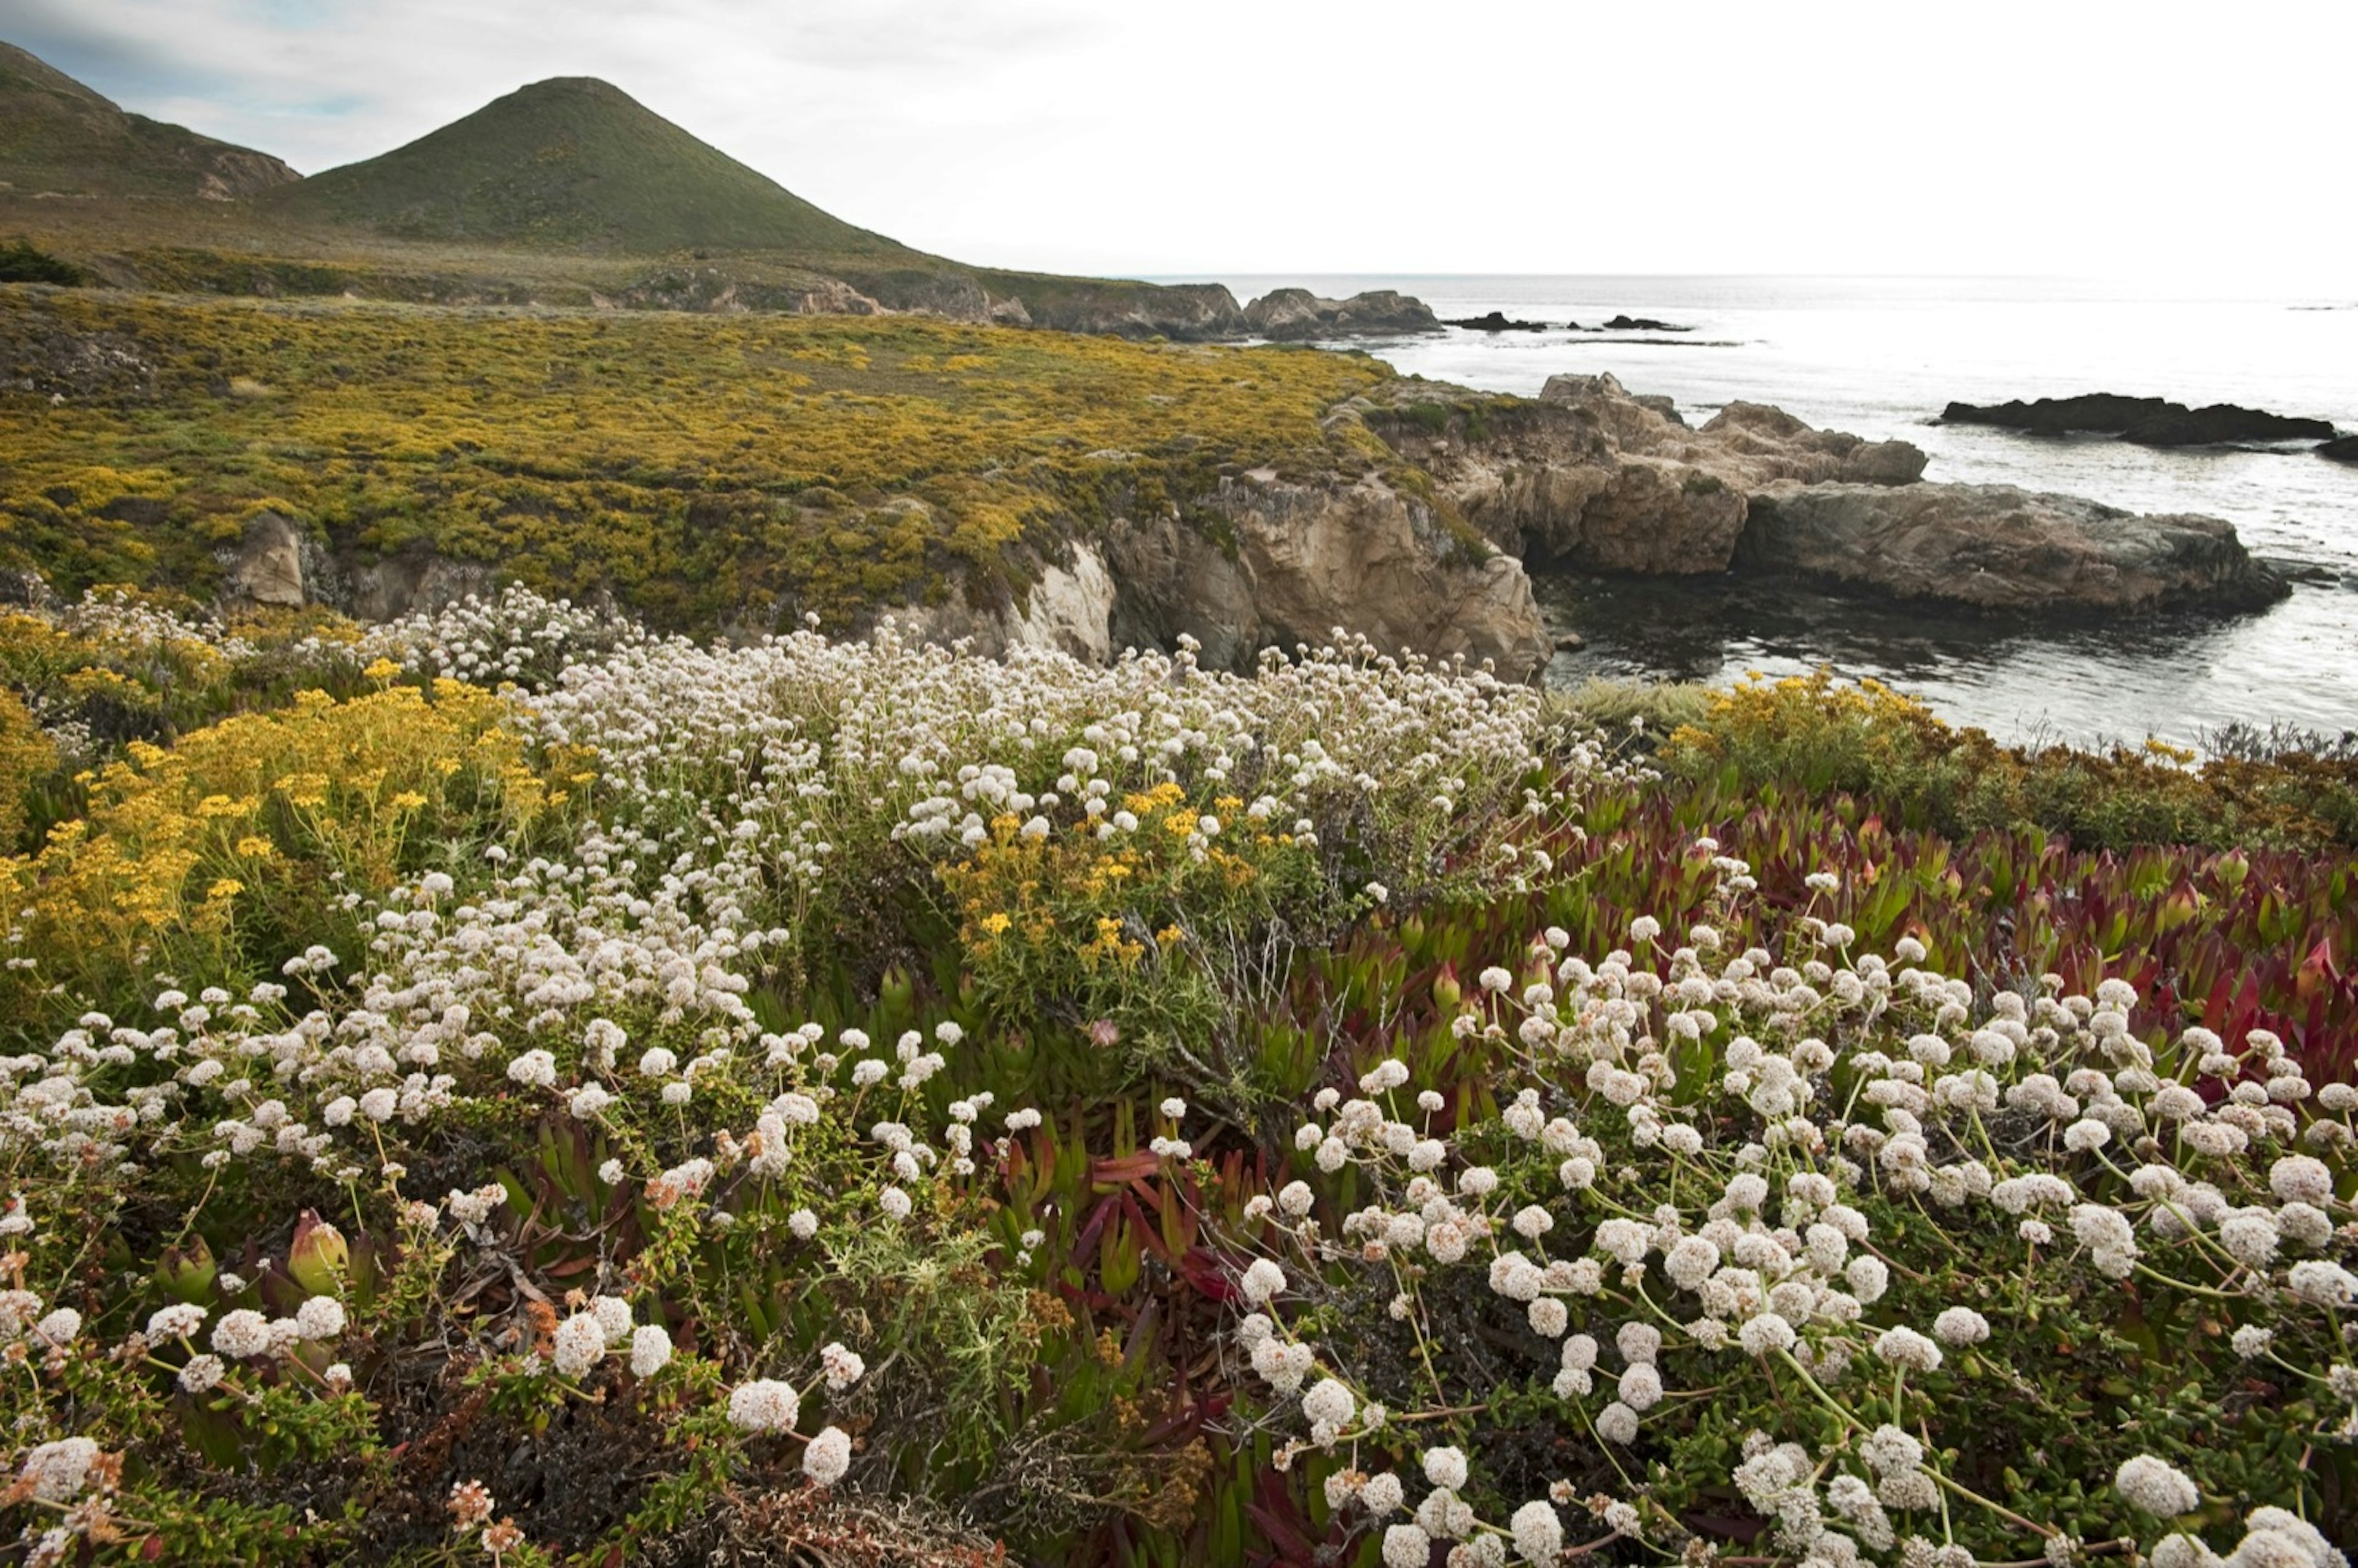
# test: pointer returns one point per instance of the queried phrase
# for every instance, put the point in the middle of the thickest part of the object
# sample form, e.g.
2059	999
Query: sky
1169	137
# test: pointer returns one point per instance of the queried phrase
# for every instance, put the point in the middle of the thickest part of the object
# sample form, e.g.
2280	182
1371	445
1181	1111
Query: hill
59	138
567	192
574	163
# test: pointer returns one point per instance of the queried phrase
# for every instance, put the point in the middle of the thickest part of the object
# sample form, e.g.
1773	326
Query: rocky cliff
1589	478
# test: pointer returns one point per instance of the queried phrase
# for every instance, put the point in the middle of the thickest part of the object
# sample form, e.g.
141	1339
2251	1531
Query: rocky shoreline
1434	550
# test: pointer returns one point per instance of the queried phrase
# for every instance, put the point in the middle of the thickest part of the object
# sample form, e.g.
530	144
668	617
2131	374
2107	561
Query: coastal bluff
1588	477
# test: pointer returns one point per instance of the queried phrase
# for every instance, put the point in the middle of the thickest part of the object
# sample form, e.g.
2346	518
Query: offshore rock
2144	421
1295	315
1997	548
2341	449
1498	322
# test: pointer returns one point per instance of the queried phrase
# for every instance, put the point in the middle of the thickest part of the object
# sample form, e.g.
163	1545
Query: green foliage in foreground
1817	734
846	1101
741	471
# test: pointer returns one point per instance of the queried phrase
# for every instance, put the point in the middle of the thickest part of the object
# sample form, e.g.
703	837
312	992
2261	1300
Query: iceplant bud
188	1272
318	1258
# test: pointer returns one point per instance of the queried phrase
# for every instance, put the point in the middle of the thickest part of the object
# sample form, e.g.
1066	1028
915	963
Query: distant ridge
58	137
574	163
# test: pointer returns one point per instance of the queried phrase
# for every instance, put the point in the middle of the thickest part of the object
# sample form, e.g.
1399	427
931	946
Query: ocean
1880	357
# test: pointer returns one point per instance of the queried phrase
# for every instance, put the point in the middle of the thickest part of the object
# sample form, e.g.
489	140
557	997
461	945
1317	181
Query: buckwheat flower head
2322	1284
2155	1486
242	1334
1691	1261
2298	1178
1445	1467
1383	1494
828	1456
803	1223
320	1318
1769	1332
1961	1325
1616	1422
842	1366
579	1343
1174	1107
1329	1404
175	1321
533	1069
1406	1546
650	1350
202	1373
895	1203
1639	1343
1539	1534
58	1471
765	1405
613	1315
62	1327
1547	1317
1888	1450
1261	1280
2276	1538
1906	1349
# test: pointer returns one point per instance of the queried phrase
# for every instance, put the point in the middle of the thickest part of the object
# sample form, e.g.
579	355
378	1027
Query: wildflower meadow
505	1087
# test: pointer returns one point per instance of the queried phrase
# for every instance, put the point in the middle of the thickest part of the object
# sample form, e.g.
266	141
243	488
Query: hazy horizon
1332	140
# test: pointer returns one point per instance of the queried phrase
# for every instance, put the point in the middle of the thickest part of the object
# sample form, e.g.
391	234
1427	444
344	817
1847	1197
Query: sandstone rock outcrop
1293	561
2144	421
1590	478
1296	315
2000	549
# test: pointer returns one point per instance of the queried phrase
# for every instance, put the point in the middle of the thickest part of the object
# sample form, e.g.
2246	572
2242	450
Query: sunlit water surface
1880	357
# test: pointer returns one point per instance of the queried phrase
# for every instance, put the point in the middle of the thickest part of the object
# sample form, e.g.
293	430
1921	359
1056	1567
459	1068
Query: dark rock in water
2341	449
1293	315
1642	324
1570	643
2146	421
1999	549
1496	321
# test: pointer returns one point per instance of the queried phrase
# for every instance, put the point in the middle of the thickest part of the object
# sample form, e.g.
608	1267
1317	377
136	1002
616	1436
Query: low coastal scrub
506	1086
1817	733
745	470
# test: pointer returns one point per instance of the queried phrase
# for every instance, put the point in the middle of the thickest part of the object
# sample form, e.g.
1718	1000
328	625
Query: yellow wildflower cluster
261	814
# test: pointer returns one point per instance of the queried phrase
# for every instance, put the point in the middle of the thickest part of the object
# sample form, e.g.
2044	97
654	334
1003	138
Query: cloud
1544	136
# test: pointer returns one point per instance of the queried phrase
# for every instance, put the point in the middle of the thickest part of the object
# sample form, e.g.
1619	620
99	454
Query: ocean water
1880	357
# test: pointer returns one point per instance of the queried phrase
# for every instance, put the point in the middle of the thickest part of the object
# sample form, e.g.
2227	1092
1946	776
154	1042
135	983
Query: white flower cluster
1773	1107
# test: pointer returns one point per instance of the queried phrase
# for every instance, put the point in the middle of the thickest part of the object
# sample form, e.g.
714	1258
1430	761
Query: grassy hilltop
574	163
565	192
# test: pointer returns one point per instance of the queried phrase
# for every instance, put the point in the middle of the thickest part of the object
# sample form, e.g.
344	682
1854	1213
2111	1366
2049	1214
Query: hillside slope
57	136
574	163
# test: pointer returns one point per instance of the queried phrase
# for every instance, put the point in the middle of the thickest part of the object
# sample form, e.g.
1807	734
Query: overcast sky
1170	136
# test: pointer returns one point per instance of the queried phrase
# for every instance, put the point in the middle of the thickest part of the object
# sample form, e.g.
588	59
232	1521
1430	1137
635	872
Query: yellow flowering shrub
264	819
1124	928
25	759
